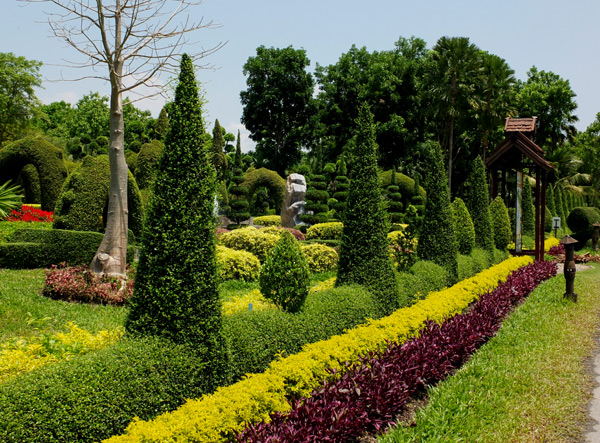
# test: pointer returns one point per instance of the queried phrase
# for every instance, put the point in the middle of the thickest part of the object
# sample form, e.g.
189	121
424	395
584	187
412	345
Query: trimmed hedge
84	198
268	220
325	231
45	157
581	221
271	180
94	396
41	248
257	337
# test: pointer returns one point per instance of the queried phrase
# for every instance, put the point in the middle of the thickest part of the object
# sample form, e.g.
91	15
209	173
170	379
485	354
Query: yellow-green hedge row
268	220
216	417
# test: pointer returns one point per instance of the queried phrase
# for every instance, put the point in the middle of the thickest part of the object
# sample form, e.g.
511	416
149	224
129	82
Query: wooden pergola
516	152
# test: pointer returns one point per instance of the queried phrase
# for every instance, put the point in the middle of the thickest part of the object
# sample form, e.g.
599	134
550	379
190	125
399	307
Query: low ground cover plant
370	395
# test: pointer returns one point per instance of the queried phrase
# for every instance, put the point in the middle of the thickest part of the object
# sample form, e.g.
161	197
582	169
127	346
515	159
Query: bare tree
131	42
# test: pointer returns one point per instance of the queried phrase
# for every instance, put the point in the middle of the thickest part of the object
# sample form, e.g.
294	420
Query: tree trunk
111	256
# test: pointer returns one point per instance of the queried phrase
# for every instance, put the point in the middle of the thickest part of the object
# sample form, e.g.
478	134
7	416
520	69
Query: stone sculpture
293	203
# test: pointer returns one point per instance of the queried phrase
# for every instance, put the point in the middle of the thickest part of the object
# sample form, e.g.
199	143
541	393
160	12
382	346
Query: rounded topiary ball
284	277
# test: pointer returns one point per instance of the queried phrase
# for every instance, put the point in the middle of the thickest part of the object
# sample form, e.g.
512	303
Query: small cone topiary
464	230
478	204
500	223
284	277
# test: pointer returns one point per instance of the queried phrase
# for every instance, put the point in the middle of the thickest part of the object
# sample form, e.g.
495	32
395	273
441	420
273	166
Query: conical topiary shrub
364	252
500	223
284	277
478	205
175	294
528	209
436	240
463	227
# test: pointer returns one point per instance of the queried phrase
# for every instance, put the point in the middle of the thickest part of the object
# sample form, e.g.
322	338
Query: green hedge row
96	395
41	248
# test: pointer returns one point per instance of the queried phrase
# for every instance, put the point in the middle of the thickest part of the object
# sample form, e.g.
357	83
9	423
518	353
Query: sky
558	36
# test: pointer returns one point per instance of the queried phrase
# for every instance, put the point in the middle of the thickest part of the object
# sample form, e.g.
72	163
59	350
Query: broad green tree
454	78
18	79
364	251
278	104
175	294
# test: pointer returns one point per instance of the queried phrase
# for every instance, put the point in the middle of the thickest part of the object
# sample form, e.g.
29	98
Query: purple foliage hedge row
371	394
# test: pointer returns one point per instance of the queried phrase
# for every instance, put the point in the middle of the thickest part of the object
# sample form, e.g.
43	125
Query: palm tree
10	198
454	79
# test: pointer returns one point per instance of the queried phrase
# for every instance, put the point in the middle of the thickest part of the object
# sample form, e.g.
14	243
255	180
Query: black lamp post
569	270
595	235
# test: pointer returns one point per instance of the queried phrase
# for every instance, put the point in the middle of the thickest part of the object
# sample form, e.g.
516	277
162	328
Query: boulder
293	202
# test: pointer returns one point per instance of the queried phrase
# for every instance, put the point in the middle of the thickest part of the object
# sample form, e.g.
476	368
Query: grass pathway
530	383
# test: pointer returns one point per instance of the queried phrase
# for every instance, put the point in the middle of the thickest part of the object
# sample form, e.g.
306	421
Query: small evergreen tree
175	294
364	252
341	184
478	205
218	158
162	125
436	241
463	227
284	276
550	201
528	209
500	223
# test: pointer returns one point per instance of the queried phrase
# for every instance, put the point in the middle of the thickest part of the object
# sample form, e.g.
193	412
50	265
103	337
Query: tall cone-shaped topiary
528	209
478	205
364	254
175	294
464	230
436	240
560	208
550	201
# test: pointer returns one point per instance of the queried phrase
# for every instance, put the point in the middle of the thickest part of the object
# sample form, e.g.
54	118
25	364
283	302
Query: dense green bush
236	265
175	294
268	220
320	258
47	160
478	205
550	201
500	224
94	396
250	239
325	231
581	221
364	251
548	220
147	163
83	201
394	197
40	248
284	276
481	259
406	185
463	227
29	180
528	209
271	180
257	337
437	242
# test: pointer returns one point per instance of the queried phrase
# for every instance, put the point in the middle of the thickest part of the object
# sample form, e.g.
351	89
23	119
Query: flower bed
218	417
30	214
370	395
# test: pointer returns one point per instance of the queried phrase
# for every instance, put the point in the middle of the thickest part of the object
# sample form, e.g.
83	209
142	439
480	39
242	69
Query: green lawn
530	383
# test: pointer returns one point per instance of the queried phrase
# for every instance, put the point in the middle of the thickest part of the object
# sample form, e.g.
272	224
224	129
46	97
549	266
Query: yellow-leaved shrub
215	418
250	239
268	220
320	258
236	264
325	231
259	303
24	355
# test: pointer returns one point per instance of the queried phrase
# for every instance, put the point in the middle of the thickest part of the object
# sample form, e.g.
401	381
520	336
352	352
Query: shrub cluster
320	258
217	417
250	239
278	230
79	284
369	395
325	231
403	249
236	265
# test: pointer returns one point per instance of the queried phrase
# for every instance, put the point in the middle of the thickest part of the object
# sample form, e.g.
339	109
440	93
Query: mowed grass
531	383
24	312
